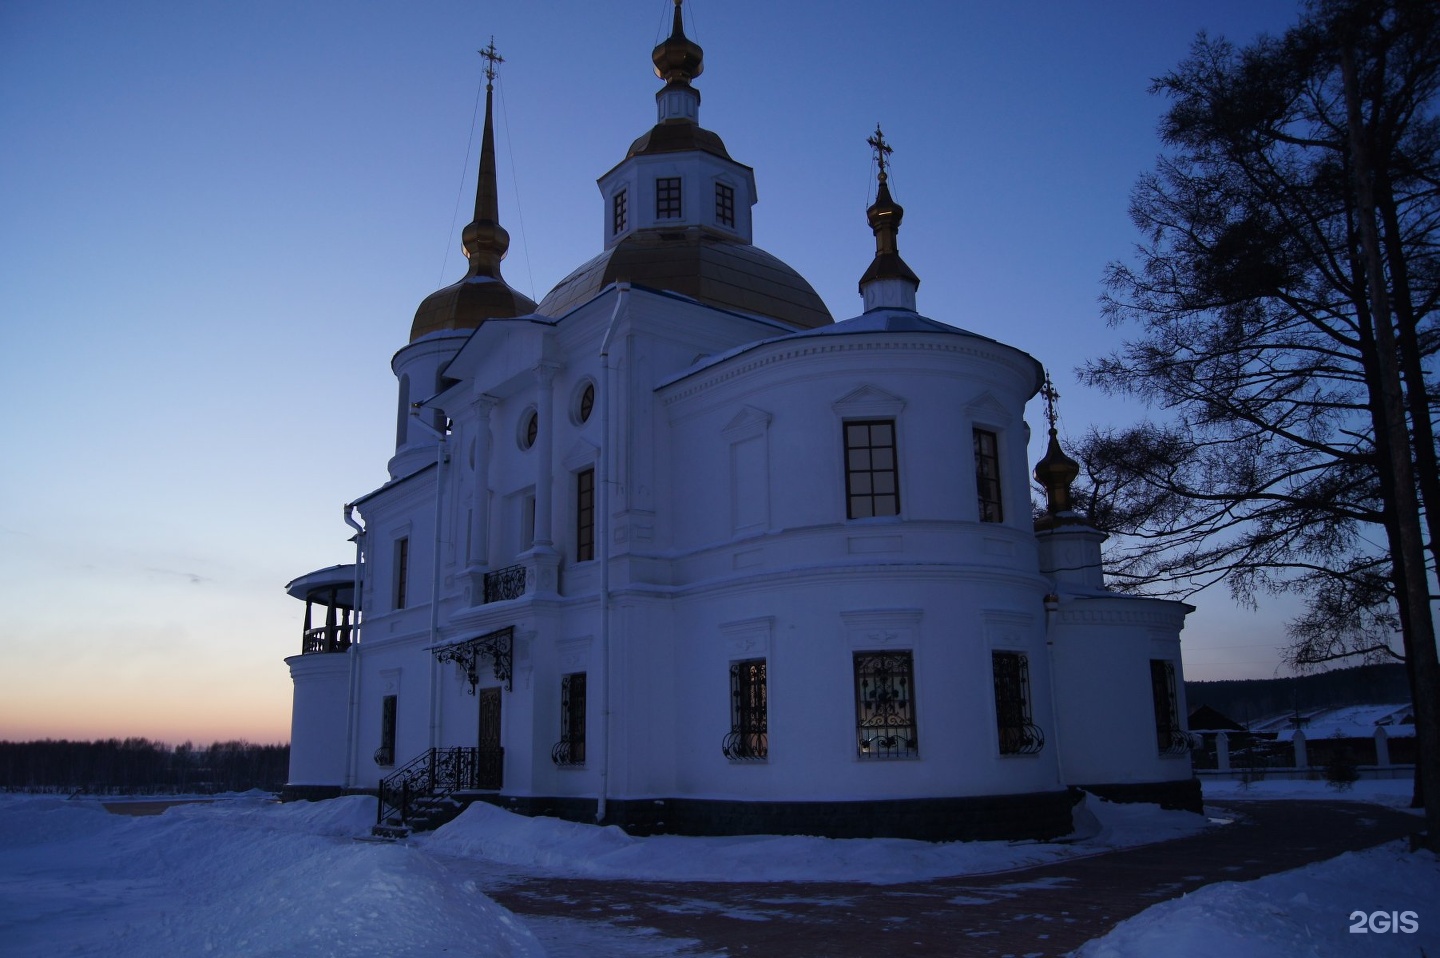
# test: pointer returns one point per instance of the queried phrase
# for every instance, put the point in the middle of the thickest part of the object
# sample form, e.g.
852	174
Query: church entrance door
490	772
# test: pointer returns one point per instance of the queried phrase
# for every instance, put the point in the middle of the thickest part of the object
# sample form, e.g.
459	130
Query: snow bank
558	848
246	878
1306	912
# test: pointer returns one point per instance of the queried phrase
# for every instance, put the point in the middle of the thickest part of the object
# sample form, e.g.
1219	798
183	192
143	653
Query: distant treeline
140	766
1252	700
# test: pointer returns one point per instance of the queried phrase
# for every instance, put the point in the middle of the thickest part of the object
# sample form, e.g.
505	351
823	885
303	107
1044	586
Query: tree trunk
1398	476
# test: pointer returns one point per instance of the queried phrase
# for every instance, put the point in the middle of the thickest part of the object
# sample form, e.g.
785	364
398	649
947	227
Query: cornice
839	343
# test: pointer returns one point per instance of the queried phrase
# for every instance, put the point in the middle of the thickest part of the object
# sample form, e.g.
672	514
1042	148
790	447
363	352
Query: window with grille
872	479
402	571
724	204
1018	734
885	705
667	198
617	212
987	476
385	754
585	515
749	737
1170	735
570	750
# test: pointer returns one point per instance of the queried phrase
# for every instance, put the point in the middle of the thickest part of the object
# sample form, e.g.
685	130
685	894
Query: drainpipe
442	459
1052	606
622	299
352	723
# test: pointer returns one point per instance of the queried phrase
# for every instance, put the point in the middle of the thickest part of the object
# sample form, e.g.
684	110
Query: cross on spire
1050	393
881	148
492	59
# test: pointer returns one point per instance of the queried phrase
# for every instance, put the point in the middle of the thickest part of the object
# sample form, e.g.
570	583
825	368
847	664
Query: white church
675	550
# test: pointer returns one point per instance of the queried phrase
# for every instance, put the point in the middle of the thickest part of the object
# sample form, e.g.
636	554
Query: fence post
1298	740
1222	752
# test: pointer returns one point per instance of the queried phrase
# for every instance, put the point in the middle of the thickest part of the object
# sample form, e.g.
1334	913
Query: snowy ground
245	876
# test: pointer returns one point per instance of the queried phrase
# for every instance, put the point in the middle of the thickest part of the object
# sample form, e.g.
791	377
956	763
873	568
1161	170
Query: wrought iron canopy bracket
498	645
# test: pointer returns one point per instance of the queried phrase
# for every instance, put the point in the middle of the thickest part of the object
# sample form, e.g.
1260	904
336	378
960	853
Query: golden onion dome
678	59
712	269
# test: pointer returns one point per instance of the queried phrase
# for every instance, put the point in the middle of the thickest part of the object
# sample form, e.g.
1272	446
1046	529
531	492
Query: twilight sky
218	220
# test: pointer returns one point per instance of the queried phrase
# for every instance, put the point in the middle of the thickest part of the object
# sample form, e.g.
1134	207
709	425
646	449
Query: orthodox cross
492	58
1051	394
881	148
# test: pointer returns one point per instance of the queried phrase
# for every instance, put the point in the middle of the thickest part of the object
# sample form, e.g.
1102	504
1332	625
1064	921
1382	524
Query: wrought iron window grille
570	750
749	736
1170	737
504	584
1017	733
498	646
885	705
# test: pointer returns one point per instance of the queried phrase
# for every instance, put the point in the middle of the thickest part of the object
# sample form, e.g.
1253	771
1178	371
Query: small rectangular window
527	522
1170	735
724	204
570	750
1018	734
385	754
987	476
585	515
885	705
872	479
749	737
617	213
402	570
667	198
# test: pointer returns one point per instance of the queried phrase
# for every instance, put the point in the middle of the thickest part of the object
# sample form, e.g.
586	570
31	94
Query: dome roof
709	268
467	304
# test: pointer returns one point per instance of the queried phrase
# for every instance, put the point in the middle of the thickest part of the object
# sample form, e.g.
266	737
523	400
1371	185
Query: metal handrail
504	584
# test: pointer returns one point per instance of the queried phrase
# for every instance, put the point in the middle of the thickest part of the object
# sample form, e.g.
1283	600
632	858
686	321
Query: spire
678	60
1056	471
888	282
482	294
484	240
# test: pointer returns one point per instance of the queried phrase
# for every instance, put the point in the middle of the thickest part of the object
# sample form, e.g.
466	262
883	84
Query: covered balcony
333	590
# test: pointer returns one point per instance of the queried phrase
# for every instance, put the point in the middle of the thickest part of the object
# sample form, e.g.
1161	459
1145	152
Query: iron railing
436	771
742	746
503	584
568	753
1027	739
1177	742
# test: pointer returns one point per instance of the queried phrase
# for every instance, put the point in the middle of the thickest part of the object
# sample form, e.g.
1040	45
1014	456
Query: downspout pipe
607	372
353	706
1052	606
442	459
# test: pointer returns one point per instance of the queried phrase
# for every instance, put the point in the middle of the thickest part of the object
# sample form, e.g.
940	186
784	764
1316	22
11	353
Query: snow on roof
1350	721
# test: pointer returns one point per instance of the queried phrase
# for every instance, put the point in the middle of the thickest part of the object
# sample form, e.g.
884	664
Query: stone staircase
421	796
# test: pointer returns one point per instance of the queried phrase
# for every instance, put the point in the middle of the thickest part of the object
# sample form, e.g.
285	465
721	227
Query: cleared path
1048	910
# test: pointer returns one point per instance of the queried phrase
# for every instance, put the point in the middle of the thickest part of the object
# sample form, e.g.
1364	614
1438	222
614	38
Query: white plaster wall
1102	652
318	718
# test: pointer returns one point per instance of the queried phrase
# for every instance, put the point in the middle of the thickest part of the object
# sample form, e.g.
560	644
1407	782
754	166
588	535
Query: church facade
673	549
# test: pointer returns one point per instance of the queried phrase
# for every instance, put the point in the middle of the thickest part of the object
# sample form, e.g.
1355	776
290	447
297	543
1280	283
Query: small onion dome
679	59
1055	472
885	215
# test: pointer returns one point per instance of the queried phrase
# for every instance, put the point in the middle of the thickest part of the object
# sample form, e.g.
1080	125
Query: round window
585	403
529	429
